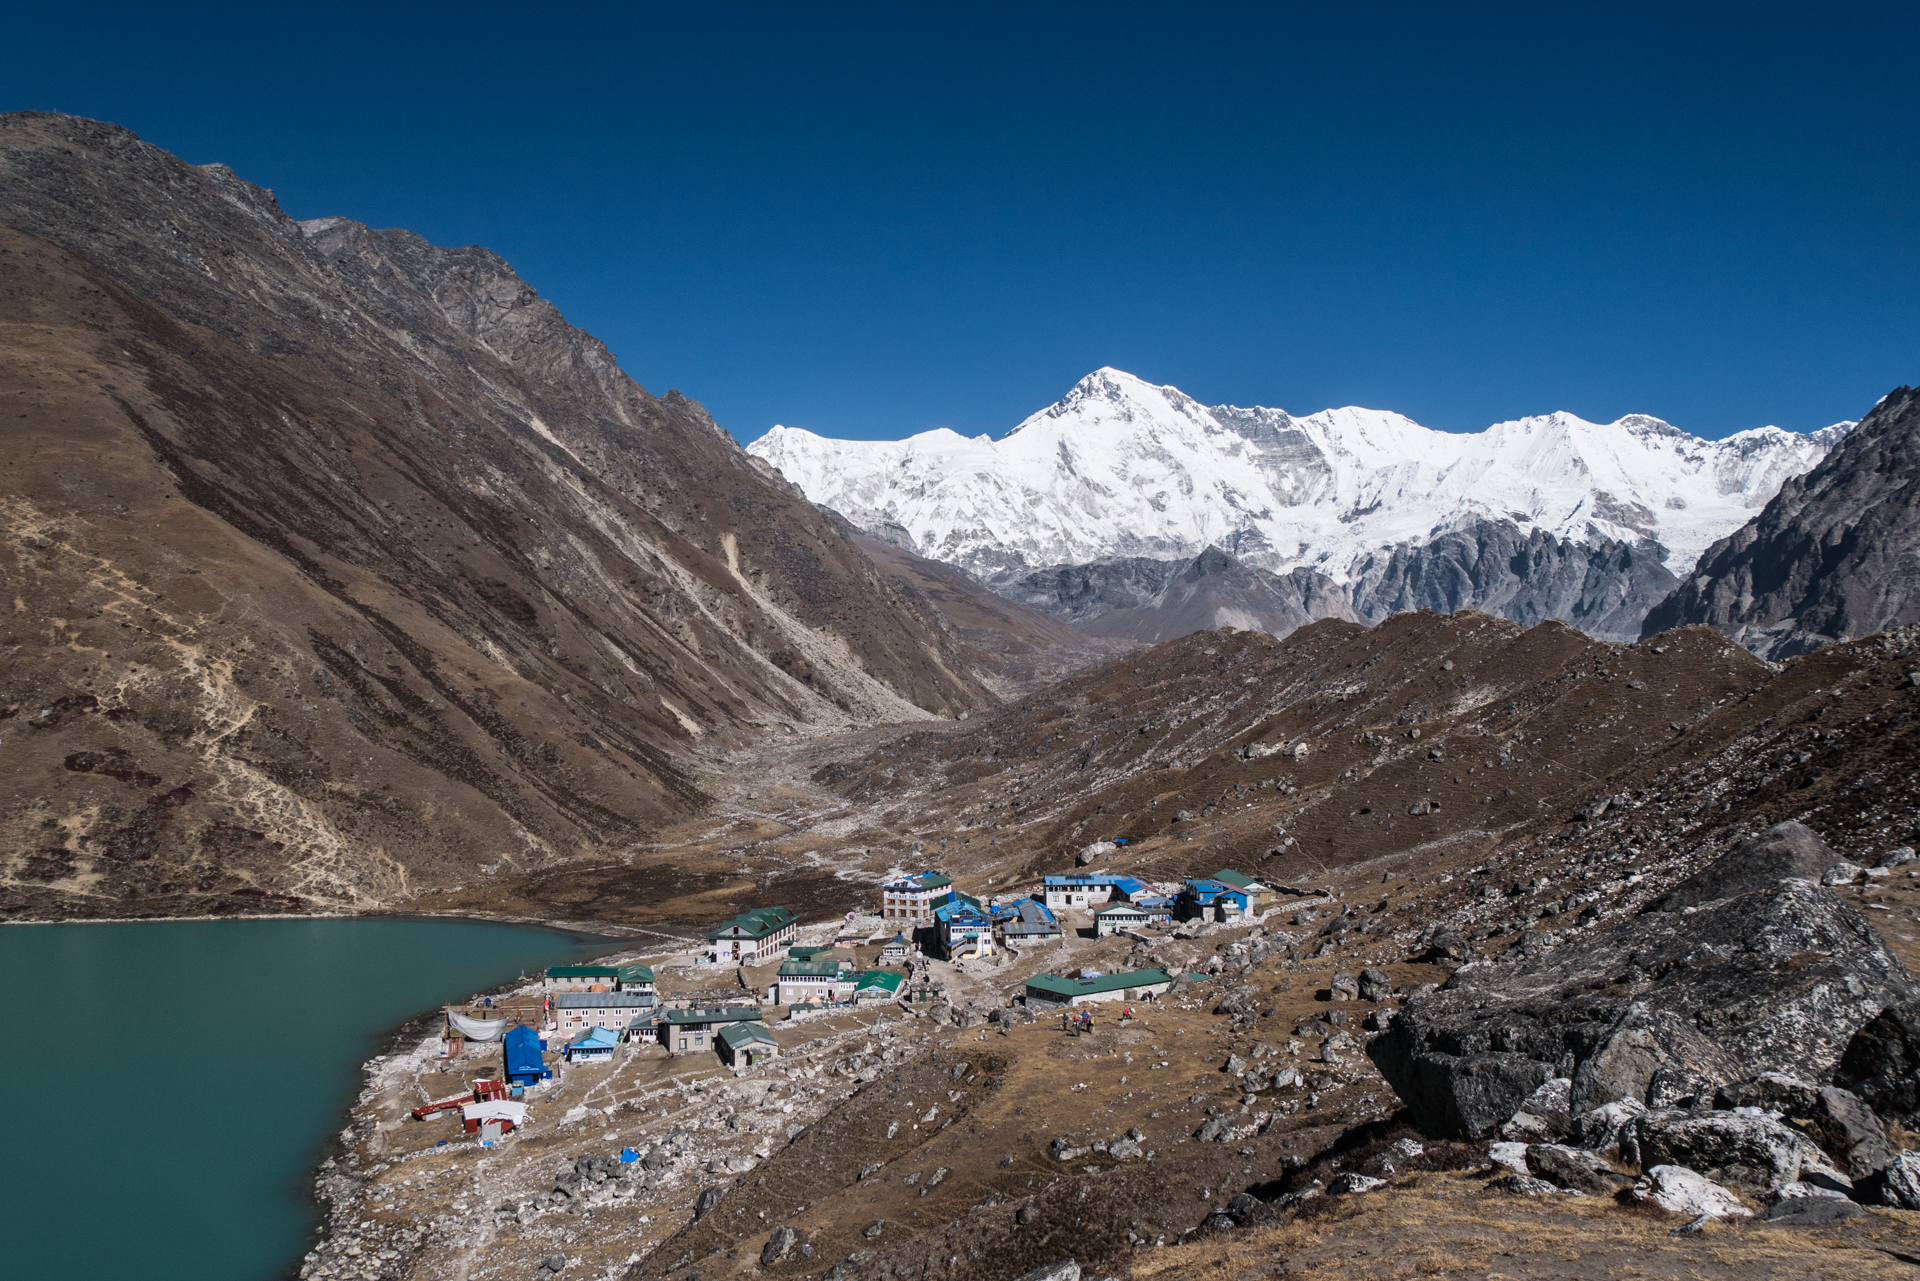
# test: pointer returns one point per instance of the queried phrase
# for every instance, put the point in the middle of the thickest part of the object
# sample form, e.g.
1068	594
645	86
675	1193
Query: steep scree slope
338	566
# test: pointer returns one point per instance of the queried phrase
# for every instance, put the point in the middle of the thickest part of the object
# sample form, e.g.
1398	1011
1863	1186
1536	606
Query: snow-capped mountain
1121	467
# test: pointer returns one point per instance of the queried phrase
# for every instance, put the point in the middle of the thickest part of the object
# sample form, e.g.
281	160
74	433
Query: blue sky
870	221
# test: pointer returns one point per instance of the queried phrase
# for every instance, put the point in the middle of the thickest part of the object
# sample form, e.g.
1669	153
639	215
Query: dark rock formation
1140	599
1882	1064
1604	589
1832	557
1662	1008
1786	850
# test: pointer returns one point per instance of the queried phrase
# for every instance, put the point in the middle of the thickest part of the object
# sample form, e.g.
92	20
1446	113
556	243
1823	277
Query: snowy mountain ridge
1121	467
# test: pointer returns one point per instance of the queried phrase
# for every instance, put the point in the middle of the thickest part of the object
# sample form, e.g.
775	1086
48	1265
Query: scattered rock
874	1229
1028	1214
1344	987
1091	853
708	1198
778	1244
1351	1184
1375	985
1065	1270
1679	1190
846	1267
1522	1185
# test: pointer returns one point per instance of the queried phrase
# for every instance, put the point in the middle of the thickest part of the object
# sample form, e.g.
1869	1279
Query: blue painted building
522	1048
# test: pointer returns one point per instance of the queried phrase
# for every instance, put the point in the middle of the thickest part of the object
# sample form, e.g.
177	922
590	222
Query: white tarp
495	1110
477	1029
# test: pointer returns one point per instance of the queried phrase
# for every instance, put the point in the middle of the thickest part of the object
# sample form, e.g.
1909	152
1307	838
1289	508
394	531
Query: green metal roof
636	974
740	1033
1239	880
1121	909
734	1013
879	979
1053	985
803	969
756	923
583	971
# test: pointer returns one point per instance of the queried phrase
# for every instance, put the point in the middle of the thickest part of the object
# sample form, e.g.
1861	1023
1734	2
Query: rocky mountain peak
1832	554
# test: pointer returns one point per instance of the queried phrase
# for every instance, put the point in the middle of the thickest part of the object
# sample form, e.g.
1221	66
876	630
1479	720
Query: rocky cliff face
1604	587
1831	557
1140	599
340	566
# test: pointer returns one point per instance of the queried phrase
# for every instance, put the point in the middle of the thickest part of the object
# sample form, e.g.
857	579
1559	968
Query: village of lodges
923	924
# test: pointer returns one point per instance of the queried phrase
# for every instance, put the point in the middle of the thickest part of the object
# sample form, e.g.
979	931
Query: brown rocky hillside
338	566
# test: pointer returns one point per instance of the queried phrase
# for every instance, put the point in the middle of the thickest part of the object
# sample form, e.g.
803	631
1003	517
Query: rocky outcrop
1663	1008
1604	587
1831	557
1882	1064
1141	599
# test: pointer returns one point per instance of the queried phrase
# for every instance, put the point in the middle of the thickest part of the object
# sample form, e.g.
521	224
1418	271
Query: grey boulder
778	1244
1575	1169
1064	1270
1678	1190
1812	1212
1746	1149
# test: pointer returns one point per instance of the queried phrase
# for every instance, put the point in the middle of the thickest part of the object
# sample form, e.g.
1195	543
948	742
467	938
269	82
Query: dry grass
1445	1226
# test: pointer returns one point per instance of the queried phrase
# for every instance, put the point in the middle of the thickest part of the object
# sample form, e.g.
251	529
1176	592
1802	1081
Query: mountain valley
343	575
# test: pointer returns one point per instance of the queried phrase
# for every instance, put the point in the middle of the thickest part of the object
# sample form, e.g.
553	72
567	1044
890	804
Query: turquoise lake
174	1084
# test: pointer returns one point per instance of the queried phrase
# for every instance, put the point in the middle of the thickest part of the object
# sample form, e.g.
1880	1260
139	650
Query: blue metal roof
521	1049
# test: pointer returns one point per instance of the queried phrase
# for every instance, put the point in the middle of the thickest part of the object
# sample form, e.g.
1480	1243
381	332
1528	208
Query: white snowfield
1120	467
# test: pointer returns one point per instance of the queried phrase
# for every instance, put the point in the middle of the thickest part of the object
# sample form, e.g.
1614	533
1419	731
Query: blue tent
524	1065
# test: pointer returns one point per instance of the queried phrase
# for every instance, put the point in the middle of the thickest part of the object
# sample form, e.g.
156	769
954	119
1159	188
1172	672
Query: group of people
1082	1020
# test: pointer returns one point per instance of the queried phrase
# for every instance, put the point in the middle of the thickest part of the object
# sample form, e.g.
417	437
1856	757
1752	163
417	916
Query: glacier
1120	467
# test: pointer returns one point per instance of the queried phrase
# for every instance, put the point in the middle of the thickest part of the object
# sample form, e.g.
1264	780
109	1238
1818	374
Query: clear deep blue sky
873	221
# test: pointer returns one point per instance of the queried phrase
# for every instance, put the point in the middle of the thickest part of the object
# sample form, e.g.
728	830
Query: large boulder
1745	1149
1770	973
1679	1190
1574	1168
1782	851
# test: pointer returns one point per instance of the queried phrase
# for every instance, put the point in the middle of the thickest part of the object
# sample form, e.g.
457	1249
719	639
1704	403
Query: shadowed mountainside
1831	557
339	566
